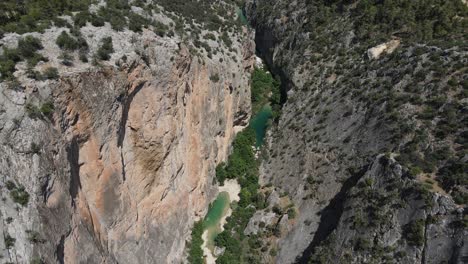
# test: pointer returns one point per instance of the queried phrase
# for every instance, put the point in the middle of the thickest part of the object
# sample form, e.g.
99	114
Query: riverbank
216	217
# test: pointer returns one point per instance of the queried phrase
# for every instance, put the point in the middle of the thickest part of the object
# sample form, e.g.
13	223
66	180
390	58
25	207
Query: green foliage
214	78
106	48
26	50
265	89
51	73
28	46
20	195
137	22
47	109
7	68
37	260
10	185
419	20
9	241
35	15
291	213
195	249
67	42
32	111
34	237
414	233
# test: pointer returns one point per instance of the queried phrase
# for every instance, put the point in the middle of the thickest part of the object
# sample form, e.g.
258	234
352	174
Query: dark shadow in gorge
125	109
330	215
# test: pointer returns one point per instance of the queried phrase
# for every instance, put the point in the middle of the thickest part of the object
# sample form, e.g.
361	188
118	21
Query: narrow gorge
233	131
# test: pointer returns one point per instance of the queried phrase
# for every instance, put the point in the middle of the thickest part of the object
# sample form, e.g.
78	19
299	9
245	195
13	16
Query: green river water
220	206
217	210
260	123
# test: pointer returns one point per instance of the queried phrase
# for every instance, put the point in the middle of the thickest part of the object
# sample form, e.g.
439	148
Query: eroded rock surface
125	164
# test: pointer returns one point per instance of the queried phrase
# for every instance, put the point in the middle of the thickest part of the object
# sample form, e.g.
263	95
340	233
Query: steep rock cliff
346	112
123	165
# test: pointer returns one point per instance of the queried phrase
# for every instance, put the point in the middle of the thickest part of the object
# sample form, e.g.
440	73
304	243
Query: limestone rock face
125	165
387	47
339	149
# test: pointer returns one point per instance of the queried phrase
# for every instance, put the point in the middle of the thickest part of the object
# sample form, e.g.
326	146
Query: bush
7	68
214	78
414	233
106	49
51	73
195	251
66	42
47	109
28	46
291	213
32	111
34	237
36	260
136	22
19	196
9	241
81	18
10	185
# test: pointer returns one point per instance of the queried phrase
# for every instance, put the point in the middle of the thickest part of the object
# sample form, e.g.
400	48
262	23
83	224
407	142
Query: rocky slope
374	117
113	162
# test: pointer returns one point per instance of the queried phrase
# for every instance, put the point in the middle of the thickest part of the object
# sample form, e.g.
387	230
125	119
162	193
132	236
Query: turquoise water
211	222
260	124
221	205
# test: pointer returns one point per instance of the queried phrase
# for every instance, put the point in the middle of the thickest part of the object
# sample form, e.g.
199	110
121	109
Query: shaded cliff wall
126	161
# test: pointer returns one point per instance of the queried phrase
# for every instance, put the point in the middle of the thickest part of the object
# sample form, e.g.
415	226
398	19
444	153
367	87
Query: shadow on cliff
73	154
127	101
330	215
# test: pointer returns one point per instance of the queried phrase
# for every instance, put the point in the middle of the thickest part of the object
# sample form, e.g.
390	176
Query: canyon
313	131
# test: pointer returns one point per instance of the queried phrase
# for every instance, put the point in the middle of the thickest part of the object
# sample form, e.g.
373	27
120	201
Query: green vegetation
47	109
66	42
263	84
214	78
375	20
195	250
37	260
414	233
19	195
34	237
26	50
243	166
106	48
9	241
51	73
36	15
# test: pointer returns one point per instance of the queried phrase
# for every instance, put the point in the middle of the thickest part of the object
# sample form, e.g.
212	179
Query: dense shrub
195	249
9	241
137	22
414	233
36	15
20	195
28	46
106	49
47	109
51	73
67	42
214	78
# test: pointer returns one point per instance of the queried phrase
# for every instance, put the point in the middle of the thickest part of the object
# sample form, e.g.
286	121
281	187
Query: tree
106	49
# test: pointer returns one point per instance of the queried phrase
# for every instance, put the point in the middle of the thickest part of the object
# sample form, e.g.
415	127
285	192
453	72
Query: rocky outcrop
125	164
387	48
339	119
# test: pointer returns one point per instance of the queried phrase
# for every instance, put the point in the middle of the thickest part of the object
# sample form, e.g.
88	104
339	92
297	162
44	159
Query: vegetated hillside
372	143
113	117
